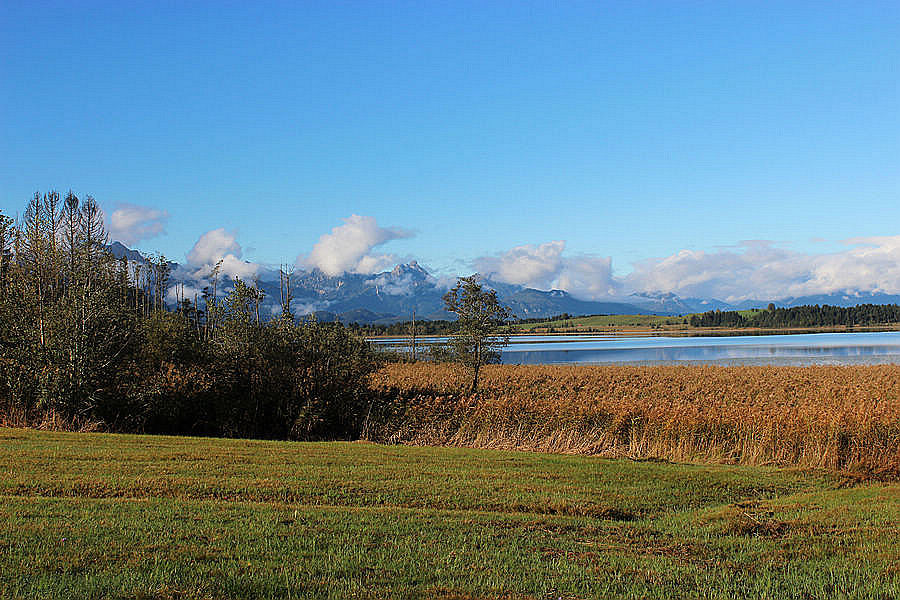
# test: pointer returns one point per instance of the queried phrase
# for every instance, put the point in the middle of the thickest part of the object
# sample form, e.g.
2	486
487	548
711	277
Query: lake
797	349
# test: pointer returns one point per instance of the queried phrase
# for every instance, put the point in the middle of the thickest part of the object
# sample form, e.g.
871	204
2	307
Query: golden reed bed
845	418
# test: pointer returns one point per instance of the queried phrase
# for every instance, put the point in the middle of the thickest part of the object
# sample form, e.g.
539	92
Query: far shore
676	332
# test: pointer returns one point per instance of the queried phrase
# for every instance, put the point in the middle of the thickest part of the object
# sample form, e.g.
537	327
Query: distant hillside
528	303
393	296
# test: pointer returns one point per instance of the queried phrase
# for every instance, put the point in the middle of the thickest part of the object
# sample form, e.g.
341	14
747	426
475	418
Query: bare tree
160	273
258	296
35	256
93	229
6	246
287	296
71	229
210	297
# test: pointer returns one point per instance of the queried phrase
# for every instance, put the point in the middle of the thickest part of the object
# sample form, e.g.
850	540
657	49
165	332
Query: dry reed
845	418
48	420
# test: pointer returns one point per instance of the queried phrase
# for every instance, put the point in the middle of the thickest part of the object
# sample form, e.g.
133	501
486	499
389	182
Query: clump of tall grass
845	418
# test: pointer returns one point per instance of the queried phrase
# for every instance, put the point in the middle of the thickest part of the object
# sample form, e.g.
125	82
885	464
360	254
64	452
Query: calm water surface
798	349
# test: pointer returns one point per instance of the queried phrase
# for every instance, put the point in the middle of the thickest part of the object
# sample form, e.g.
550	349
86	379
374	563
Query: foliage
87	338
480	318
423	327
802	316
64	325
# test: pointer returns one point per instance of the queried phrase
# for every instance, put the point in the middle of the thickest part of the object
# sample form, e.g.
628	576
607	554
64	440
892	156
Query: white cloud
392	285
528	265
751	270
185	290
234	267
216	245
444	282
588	277
131	223
349	247
544	267
374	263
764	270
212	246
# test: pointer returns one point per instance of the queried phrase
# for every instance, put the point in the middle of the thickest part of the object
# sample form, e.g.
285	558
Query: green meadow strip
212	518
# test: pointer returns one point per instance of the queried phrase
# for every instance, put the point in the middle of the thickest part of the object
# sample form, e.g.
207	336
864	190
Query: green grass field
604	321
121	516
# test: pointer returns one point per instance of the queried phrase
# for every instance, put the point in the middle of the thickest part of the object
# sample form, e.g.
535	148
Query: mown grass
116	516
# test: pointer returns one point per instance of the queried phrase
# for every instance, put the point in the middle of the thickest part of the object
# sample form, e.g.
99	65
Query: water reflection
800	349
841	348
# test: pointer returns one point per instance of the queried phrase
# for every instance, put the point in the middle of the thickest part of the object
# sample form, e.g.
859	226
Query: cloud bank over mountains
762	269
750	270
544	267
219	245
348	248
131	223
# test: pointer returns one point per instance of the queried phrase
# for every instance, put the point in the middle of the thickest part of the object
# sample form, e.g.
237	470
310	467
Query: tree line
421	327
90	339
802	316
439	326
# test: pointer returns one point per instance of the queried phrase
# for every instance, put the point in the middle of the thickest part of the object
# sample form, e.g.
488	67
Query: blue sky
629	130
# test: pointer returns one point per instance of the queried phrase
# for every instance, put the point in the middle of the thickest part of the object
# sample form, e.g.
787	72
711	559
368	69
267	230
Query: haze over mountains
393	295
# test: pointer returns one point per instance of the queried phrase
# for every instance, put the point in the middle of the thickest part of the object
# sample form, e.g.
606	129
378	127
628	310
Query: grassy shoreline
130	516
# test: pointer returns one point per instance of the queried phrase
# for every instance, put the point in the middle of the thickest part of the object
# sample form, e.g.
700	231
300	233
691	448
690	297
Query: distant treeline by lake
433	326
807	316
801	316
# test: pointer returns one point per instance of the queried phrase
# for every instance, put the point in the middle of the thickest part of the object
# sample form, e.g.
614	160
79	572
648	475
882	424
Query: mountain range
395	295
